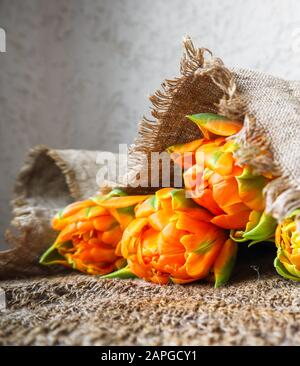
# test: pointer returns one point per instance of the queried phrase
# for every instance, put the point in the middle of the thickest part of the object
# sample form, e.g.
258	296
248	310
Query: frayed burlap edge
194	64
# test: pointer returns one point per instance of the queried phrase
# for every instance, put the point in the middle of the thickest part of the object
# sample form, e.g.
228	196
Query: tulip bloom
214	180
287	239
90	231
173	239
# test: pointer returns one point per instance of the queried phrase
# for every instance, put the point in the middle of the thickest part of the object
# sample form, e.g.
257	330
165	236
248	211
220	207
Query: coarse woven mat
74	309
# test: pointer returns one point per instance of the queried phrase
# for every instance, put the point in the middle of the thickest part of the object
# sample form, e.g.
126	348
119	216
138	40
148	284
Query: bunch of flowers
233	194
179	235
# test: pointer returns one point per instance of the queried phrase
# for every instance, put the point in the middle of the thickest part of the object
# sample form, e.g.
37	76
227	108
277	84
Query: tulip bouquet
179	235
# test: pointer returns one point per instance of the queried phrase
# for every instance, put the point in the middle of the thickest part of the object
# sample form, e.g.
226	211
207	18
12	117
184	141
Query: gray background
77	74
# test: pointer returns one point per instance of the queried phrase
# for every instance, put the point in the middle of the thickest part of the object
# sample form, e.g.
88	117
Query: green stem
120	273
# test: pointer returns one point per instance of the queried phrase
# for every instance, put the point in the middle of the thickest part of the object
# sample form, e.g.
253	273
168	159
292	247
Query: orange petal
104	223
136	226
206	200
237	170
199	265
96	211
124	216
216	159
233	222
149	241
139	270
164	193
66	233
80	215
223	165
112	236
191	225
122	202
84	226
235	209
128	246
185	160
171	234
167	207
158	220
224	128
295	259
58	223
159	279
226	192
212	124
166	247
187	147
199	214
118	249
146	208
100	254
215	178
180	281
170	262
76	206
193	177
202	243
251	193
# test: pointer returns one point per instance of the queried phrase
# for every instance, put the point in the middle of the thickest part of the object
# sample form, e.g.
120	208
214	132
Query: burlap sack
269	107
48	181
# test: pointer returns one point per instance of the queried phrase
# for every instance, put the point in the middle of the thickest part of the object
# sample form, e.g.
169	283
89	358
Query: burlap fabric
48	181
258	308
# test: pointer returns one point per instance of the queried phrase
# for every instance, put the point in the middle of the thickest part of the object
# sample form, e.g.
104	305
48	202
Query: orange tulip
212	125
89	233
214	180
173	239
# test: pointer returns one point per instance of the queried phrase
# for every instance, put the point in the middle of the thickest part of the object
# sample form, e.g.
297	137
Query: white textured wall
77	72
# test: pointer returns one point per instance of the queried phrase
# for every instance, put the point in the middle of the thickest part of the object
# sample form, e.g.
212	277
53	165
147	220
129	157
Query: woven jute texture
257	308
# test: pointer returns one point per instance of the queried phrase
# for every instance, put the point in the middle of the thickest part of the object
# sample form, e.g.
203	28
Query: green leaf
225	274
263	230
203	118
120	273
52	255
282	271
114	193
237	239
